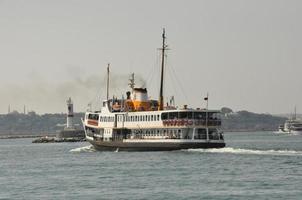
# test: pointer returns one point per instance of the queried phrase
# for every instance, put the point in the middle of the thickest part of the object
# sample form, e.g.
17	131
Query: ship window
173	115
148	117
135	118
199	115
183	115
157	117
164	116
190	115
213	134
93	116
151	117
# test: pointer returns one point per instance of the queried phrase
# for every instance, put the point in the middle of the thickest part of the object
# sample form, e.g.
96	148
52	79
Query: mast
131	82
108	81
161	95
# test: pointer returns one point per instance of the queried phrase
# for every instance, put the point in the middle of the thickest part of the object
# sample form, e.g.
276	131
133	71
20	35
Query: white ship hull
135	133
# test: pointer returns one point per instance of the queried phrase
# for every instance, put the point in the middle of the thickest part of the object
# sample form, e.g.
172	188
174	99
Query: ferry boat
138	123
292	125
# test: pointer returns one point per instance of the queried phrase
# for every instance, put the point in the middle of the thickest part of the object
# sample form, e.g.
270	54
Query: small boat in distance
292	125
138	123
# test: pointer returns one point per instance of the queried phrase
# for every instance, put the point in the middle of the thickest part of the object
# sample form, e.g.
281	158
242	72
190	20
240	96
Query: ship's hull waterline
152	146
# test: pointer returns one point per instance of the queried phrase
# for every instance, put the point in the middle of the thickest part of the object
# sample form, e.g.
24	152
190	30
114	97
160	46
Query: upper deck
154	119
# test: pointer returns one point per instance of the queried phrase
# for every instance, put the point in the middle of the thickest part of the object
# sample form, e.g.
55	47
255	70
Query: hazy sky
245	53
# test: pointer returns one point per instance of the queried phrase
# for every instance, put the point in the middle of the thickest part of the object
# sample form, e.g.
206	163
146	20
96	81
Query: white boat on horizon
291	126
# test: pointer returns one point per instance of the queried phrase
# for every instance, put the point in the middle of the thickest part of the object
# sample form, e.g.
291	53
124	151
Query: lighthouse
69	124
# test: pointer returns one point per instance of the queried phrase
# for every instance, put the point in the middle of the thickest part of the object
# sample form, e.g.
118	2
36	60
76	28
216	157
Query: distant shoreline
24	136
235	131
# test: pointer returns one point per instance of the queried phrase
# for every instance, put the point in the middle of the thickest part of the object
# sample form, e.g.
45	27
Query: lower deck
115	134
154	139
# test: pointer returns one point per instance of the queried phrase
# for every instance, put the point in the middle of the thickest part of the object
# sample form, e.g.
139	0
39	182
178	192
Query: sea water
260	165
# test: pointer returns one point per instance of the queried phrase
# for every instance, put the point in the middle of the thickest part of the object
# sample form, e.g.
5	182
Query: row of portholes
143	118
157	132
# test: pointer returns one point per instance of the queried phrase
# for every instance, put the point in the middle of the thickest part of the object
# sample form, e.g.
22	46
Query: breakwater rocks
57	140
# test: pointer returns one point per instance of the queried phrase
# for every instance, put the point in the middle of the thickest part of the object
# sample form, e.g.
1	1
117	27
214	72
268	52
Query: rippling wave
249	151
88	148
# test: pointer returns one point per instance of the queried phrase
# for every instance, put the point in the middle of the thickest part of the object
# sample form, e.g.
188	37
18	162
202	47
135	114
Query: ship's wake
231	150
88	148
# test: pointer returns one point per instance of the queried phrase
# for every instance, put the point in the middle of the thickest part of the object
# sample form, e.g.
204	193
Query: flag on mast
207	99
